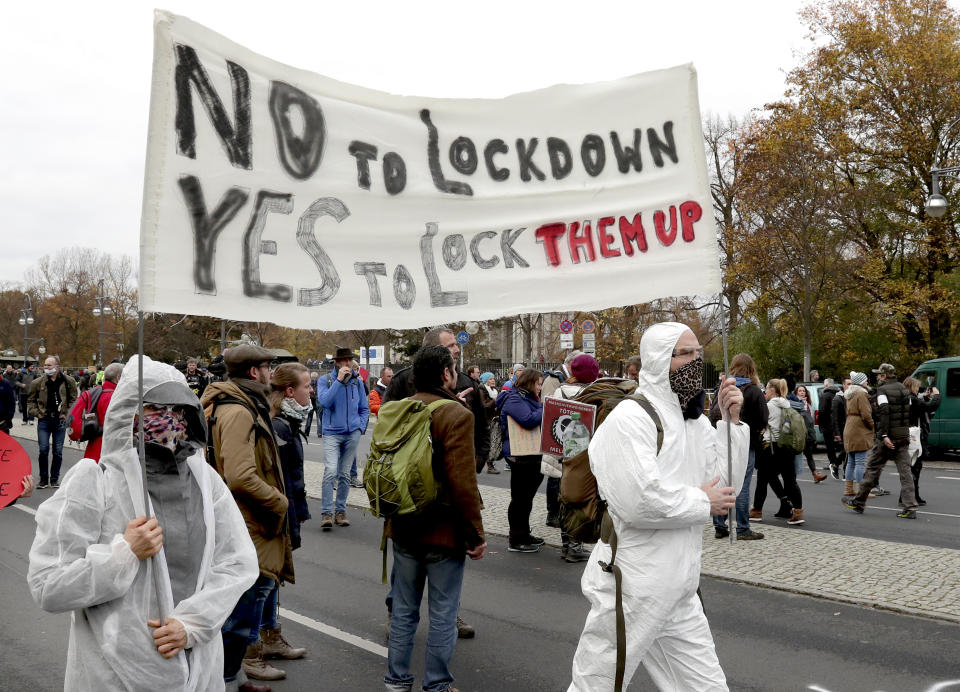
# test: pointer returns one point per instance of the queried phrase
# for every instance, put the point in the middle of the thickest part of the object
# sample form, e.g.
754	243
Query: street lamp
101	307
936	206
26	319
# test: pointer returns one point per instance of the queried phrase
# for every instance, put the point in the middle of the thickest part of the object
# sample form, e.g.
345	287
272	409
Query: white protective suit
659	513
80	562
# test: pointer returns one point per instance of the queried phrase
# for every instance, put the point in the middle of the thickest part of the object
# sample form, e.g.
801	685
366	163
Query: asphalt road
528	611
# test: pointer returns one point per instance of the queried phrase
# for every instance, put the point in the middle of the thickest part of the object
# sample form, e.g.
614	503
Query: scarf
292	408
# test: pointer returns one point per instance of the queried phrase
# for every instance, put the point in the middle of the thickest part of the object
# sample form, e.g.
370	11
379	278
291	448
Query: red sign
14	465
556	418
566	326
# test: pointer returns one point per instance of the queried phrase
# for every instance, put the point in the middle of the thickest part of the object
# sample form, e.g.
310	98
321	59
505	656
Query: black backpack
90	426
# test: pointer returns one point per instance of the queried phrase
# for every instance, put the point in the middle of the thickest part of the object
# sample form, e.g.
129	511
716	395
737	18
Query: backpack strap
94	397
609	536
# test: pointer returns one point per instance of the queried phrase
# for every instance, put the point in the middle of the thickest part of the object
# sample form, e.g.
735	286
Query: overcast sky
76	79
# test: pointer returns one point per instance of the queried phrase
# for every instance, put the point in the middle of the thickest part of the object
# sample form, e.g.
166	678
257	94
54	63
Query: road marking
359	642
28	510
933	514
948	478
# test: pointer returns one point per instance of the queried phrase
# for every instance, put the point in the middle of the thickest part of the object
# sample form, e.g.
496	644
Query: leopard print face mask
687	381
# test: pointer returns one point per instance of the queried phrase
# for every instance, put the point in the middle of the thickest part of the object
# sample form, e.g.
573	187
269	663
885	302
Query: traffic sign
463	338
588	326
589	338
566	341
566	326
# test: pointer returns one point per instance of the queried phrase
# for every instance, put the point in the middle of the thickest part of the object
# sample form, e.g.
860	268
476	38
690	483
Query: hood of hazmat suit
80	561
659	513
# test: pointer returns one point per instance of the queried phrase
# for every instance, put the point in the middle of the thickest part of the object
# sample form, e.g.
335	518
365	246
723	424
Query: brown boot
817	477
275	646
256	667
848	489
492	468
340	519
797	517
756	515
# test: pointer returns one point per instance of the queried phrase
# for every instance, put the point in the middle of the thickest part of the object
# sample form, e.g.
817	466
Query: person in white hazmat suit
659	504
93	540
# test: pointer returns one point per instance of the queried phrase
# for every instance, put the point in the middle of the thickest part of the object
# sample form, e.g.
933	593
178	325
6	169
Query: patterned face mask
163	425
687	381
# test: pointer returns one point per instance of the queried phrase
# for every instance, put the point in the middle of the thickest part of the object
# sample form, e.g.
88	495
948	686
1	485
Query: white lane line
948	478
28	510
898	509
359	642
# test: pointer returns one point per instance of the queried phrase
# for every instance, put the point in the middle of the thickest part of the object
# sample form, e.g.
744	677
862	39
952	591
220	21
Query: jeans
242	627
47	427
443	575
24	409
525	478
743	501
339	452
787	468
268	621
856	461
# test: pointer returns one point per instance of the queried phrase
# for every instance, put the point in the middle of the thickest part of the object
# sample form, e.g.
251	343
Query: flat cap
885	369
239	359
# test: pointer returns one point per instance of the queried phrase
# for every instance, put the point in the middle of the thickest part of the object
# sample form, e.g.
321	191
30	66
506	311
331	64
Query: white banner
279	195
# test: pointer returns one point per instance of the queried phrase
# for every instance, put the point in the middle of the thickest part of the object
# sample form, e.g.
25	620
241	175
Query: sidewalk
912	579
917	580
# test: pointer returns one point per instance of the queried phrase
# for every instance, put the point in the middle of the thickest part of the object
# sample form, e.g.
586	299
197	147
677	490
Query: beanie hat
585	368
857	377
485	376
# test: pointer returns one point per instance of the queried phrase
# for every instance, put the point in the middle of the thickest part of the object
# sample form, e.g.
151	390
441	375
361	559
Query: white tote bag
914	447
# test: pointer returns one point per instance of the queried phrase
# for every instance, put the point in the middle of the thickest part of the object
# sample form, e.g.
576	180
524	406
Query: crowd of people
224	451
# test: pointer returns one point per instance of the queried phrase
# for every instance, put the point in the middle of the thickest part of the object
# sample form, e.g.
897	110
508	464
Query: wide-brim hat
343	353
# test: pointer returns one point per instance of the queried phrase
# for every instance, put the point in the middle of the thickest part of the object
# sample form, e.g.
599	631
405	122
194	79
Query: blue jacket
345	406
522	407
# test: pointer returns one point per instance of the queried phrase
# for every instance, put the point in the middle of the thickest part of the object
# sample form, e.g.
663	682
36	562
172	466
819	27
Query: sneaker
535	540
750	535
796	517
465	631
340	519
922	503
851	503
326	522
756	515
42	484
785	511
523	547
492	468
879	492
554	522
907	514
575	552
835	472
720	532
54	484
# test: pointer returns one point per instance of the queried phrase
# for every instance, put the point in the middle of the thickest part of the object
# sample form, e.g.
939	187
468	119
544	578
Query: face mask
687	381
51	372
164	426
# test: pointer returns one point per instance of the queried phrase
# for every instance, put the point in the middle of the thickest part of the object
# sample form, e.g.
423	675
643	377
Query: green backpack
399	476
793	431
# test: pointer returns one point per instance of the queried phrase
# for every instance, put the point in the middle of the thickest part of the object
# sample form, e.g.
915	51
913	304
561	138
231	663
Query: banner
276	194
14	465
556	418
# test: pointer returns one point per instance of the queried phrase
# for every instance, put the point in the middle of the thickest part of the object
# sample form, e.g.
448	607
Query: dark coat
523	407
838	414
893	411
454	521
754	412
8	405
291	461
921	411
827	395
401	386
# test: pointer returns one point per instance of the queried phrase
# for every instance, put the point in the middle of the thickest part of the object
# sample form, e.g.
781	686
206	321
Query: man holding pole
97	553
659	498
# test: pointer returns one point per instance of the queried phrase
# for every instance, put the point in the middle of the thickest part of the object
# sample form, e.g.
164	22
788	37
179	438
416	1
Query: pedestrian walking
857	432
658	503
827	425
782	456
93	537
8	405
488	399
892	442
50	400
430	548
801	396
24	381
922	408
111	376
521	404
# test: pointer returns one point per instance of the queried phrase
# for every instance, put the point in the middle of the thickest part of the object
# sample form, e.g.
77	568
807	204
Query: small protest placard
14	465
523	442
556	418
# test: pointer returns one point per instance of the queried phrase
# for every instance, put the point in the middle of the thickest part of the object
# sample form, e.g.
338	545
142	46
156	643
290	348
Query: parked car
944	374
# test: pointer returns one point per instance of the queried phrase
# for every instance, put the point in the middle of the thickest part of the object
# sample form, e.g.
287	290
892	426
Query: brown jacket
249	462
37	398
454	520
858	431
